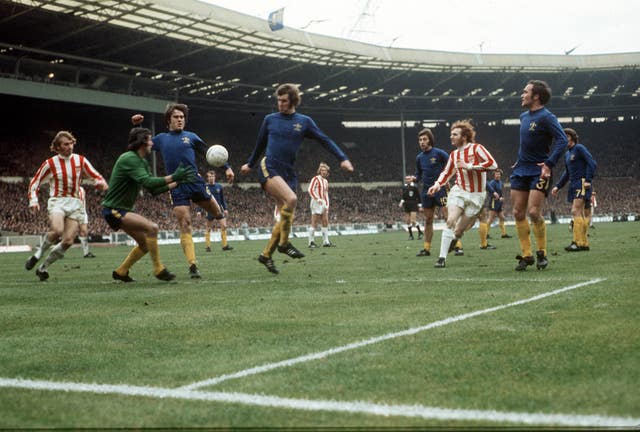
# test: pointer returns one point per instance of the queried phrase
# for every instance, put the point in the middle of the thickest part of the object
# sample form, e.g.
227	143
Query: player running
470	162
63	172
279	139
131	172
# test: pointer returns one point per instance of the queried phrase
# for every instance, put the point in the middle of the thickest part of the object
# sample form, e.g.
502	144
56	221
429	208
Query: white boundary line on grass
322	354
354	407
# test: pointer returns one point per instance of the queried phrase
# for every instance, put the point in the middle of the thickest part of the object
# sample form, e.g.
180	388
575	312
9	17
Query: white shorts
70	207
470	202
317	208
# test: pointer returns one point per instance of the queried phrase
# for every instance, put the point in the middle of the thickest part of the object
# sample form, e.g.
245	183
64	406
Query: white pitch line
319	355
353	407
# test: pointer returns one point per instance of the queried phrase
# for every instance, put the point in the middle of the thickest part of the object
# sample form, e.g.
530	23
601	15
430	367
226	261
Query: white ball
217	155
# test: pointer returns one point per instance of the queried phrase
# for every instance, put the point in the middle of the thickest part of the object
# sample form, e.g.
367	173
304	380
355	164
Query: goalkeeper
130	172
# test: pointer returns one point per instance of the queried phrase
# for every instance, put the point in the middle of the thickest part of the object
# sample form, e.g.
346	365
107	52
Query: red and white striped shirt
64	176
470	180
319	189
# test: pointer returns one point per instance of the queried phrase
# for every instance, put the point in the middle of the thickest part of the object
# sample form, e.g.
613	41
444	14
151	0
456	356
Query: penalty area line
351	407
411	331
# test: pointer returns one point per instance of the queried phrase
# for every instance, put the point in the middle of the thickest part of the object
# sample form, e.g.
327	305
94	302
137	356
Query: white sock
56	253
310	233
84	242
447	237
325	235
46	244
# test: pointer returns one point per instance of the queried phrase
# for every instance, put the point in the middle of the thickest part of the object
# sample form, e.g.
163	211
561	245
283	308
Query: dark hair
293	92
172	107
571	133
467	129
137	138
541	89
427	132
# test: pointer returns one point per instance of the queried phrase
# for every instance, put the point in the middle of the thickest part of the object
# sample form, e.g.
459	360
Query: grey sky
489	26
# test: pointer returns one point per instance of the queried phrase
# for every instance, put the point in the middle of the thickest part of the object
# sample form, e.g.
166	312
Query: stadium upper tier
216	58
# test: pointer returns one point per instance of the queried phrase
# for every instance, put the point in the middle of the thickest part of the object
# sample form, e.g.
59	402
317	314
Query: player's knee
153	230
534	213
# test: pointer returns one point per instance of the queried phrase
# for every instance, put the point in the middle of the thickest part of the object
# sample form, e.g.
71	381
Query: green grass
575	353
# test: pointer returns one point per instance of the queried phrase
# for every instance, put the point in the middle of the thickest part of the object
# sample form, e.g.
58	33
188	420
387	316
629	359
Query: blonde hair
466	128
55	143
323	165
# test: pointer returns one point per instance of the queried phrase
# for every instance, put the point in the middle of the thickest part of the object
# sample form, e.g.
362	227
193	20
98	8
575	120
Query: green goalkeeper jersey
131	172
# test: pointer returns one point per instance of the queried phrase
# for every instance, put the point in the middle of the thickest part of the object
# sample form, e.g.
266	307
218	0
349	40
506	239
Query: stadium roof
212	26
216	58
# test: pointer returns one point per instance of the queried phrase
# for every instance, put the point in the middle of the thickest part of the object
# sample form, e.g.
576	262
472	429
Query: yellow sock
523	230
154	253
540	234
286	220
273	241
483	230
577	230
133	257
586	222
503	229
427	246
459	244
207	238
223	234
186	241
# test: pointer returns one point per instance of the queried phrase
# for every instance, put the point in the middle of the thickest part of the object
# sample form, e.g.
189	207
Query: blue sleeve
490	187
199	146
261	144
418	174
560	141
591	163
156	143
314	131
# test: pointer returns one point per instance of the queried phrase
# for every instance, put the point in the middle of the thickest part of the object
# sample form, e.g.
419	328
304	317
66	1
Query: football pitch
365	334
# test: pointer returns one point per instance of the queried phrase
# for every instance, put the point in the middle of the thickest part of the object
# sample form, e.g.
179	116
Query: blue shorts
578	191
439	199
495	205
529	183
186	193
211	217
113	216
270	168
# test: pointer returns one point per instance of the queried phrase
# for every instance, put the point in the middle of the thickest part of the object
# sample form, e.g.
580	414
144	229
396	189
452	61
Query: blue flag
276	19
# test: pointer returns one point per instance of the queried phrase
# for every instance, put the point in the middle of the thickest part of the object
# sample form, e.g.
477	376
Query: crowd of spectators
248	207
375	152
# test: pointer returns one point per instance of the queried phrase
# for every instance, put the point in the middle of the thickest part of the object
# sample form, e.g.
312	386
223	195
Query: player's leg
449	238
577	213
312	229
69	232
280	190
183	216
145	233
324	220
428	230
207	234
56	227
407	215
483	229
223	234
520	198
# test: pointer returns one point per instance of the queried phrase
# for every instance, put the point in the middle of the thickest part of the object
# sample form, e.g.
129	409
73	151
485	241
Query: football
217	155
